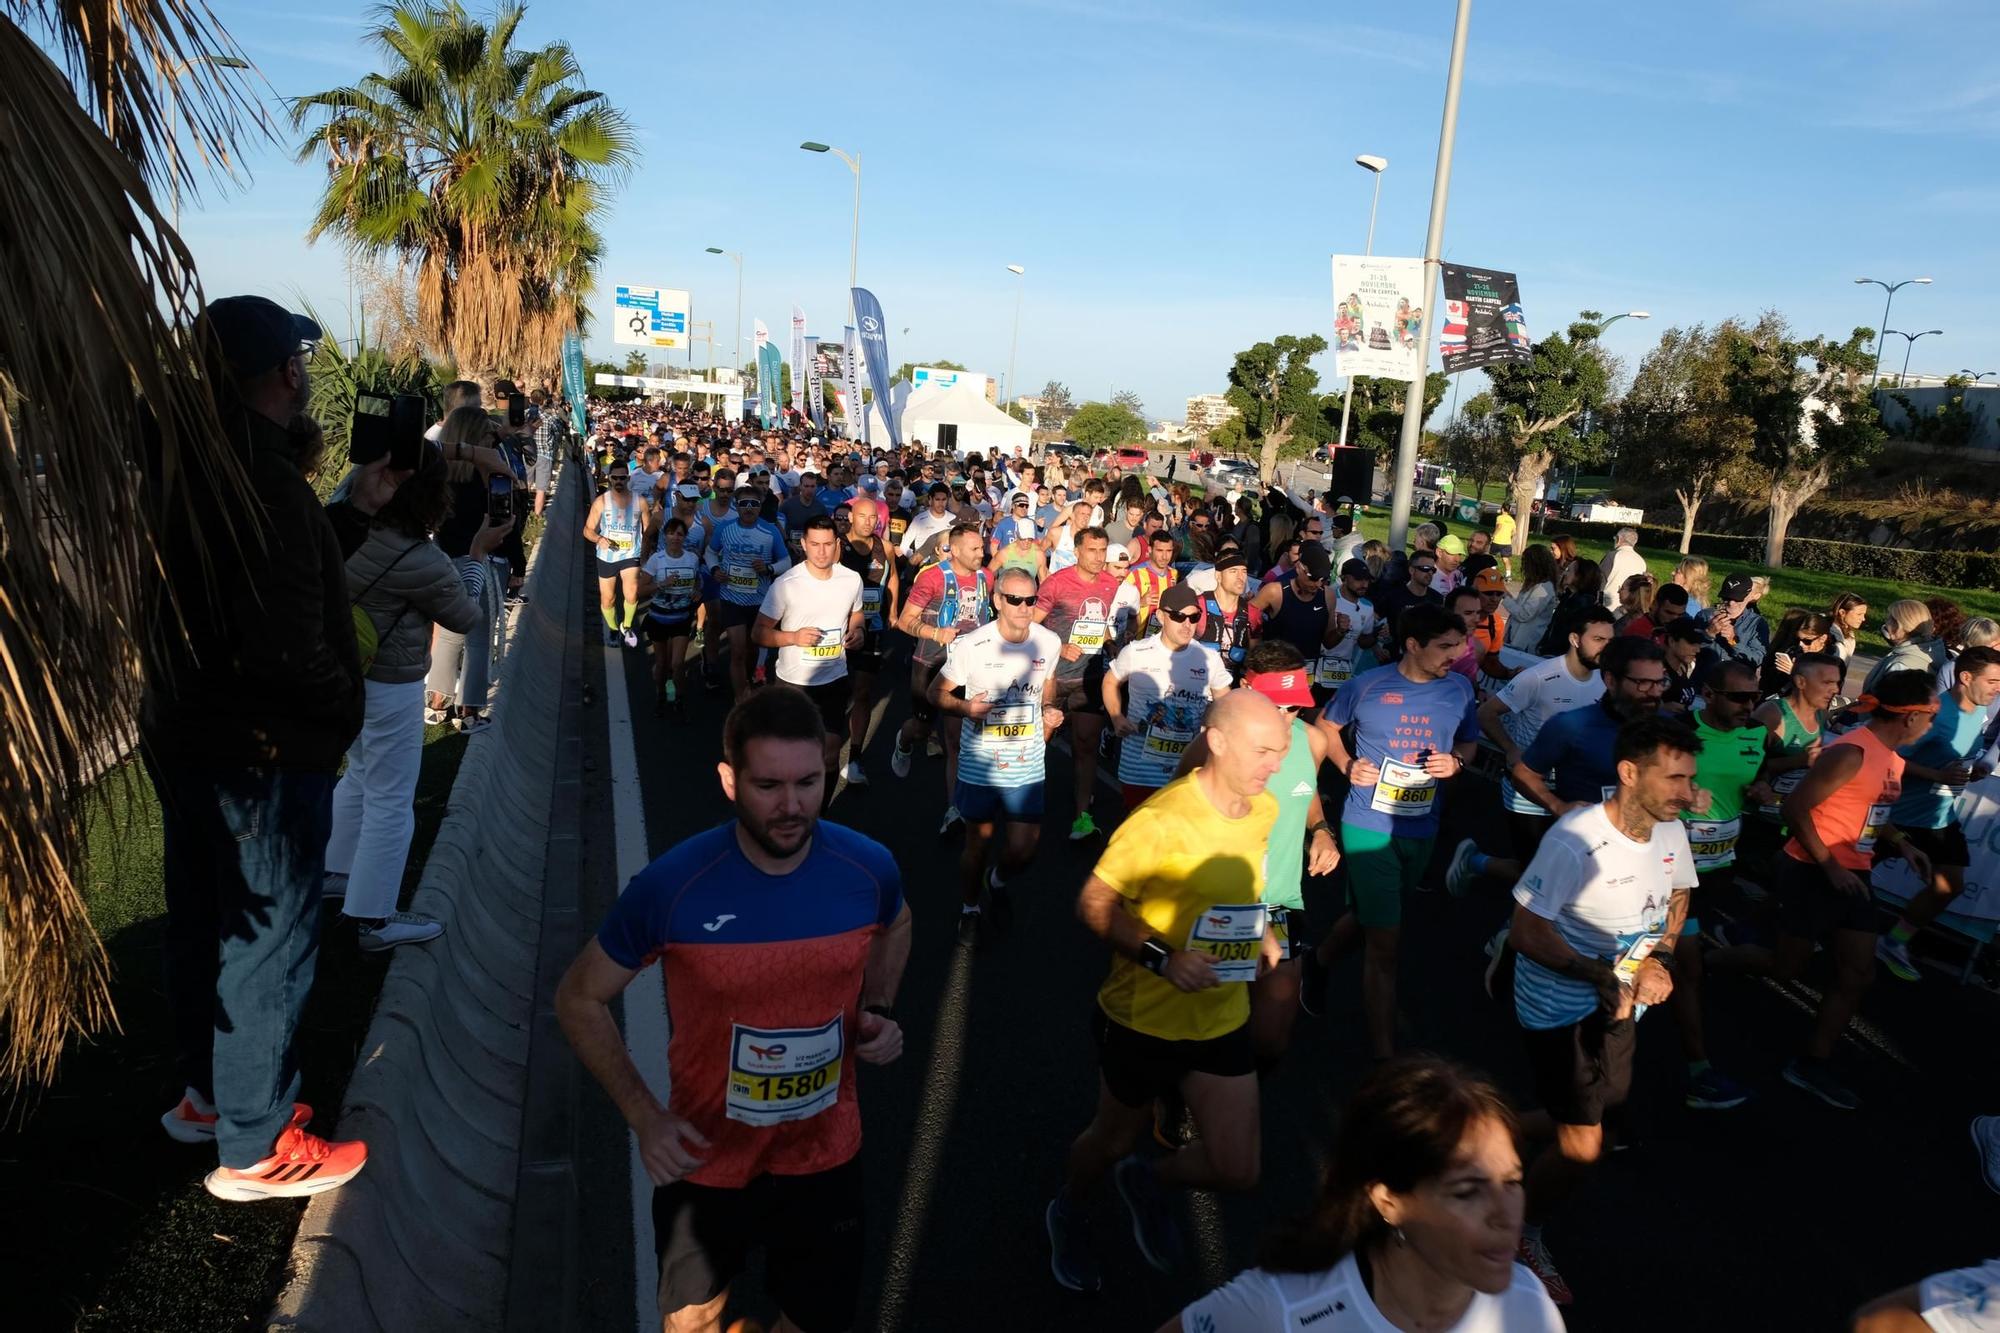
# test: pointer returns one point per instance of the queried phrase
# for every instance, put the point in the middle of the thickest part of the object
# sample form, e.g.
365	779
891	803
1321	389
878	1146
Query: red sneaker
1534	1256
299	1164
188	1125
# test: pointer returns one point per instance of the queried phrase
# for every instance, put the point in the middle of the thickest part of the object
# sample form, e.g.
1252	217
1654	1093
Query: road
1783	1214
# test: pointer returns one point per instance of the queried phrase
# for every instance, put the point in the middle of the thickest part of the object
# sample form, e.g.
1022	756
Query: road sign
650	317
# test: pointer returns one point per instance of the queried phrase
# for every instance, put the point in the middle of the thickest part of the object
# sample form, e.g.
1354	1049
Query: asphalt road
1780	1215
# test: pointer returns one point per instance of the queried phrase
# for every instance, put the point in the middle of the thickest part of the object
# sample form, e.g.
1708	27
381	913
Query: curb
422	1239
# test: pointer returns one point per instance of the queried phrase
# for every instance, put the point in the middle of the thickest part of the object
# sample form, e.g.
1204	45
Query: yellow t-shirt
1172	859
1503	529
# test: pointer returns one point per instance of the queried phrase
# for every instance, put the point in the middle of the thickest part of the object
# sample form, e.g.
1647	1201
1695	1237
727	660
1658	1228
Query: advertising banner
759	335
770	375
815	394
1482	319
650	317
798	360
936	378
850	376
875	351
1978	810
573	385
1378	311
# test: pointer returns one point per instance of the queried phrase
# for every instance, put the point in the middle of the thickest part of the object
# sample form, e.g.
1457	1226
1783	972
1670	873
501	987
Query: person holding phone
461	663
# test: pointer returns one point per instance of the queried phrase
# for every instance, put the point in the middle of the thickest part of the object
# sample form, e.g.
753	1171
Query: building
1207	411
1169	432
1033	407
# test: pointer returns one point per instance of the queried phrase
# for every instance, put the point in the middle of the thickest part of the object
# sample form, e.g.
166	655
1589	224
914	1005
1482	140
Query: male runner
1795	724
1075	605
949	598
745	556
781	942
1296	610
934	522
1139	596
863	551
1414	727
1572	760
1229	622
615	525
1935	769
1608	886
812	616
1177	896
1001	679
1155	693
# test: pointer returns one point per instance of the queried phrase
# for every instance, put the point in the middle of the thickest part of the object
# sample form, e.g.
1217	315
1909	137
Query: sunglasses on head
1016	599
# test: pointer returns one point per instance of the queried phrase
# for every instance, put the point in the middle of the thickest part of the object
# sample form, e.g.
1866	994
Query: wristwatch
1317	826
1153	956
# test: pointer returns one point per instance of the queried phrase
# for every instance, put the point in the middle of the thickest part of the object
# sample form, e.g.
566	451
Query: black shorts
1810	908
832	697
921	675
1138	1069
1944	846
809	1226
1583	1072
666	631
867	661
1085	694
610	569
732	615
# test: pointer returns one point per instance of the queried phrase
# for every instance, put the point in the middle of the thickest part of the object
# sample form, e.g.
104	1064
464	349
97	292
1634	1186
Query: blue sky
1174	175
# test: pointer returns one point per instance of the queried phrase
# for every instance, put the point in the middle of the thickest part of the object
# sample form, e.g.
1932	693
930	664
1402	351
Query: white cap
1116	552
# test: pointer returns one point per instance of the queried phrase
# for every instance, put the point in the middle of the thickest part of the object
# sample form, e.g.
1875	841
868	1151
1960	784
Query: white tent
899	398
960	418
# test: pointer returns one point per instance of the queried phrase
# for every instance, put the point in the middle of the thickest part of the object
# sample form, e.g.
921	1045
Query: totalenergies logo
767	1054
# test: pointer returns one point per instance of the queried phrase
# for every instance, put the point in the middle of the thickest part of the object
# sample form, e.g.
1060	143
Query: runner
812	616
1177	897
1414	727
1138	598
1155	693
782	941
1001	679
1229	622
863	551
949	598
1794	725
1936	768
1609	884
718	513
1572	760
671	578
928	530
1075	605
615	525
745	556
1296	610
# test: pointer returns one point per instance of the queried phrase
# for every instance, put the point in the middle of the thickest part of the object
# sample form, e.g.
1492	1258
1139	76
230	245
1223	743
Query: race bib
742	577
1232	937
676	591
1713	841
1088	634
871	608
1878	819
1404	789
832	643
1782	786
1332	671
1011	722
1164	739
621	541
781	1074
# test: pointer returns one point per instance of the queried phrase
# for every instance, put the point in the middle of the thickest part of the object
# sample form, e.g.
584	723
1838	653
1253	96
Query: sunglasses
1423	569
749	504
1736	696
1181	617
1016	599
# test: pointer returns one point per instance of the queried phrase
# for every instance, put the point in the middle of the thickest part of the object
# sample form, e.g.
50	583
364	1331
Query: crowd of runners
1688	789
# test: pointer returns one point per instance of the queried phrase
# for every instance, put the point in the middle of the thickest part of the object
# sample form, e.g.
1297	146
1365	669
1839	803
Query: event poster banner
769	377
759	334
815	394
573	385
1483	323
853	408
650	317
798	361
875	351
1978	812
1378	315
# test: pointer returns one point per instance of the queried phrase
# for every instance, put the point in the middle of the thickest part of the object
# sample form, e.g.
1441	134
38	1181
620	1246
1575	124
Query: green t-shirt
1284	856
1728	763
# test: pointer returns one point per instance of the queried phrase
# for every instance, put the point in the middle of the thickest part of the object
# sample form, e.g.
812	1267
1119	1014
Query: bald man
1178	895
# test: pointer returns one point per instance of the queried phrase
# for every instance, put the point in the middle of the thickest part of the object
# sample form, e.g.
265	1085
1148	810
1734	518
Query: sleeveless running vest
1299	622
623	526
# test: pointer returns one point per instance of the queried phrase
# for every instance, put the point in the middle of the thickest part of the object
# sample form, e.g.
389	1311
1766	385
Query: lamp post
1909	343
174	73
1891	289
1375	167
718	250
1980	375
1014	343
1629	314
854	238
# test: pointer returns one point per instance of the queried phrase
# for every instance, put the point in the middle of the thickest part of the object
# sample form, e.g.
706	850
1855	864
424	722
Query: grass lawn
123	1236
1811	588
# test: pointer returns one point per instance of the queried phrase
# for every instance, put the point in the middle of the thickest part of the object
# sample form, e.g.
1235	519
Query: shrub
1897	564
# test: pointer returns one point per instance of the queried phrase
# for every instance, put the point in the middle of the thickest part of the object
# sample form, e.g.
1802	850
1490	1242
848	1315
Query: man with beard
1572	761
1075	605
782	940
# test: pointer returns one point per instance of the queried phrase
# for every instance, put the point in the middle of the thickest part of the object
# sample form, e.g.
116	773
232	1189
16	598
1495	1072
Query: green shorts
1380	866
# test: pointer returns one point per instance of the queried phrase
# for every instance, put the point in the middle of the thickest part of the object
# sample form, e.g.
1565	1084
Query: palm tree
102	418
481	167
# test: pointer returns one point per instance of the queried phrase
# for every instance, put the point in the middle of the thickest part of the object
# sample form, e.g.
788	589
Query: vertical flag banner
798	361
875	346
573	383
815	396
769	376
759	334
856	411
1378	312
1483	323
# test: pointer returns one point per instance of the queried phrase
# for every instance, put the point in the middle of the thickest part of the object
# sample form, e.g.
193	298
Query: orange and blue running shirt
763	984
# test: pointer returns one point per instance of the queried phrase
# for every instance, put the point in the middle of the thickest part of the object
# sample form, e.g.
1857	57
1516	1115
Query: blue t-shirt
735	548
1576	746
1395	720
1955	736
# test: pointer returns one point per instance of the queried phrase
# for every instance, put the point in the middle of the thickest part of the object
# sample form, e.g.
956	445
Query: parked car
1130	456
1234	471
1067	450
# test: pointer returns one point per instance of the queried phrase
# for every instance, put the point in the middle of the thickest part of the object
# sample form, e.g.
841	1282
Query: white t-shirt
1603	892
1337	1301
1532	698
1336	664
923	527
678	584
642	483
1005	748
1167	694
795	600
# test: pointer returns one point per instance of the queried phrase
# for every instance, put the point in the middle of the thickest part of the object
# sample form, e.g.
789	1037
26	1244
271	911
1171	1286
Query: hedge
1897	564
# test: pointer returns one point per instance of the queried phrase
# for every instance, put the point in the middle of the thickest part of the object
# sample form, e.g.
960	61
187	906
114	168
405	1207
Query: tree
1949	425
908	368
1104	426
1812	419
1016	411
1536	401
480	166
1477	444
1131	402
1272	384
1677	420
635	363
1229	437
1054	413
1375	421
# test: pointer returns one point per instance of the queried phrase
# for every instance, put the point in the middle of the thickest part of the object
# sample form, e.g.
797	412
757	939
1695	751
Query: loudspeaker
1353	475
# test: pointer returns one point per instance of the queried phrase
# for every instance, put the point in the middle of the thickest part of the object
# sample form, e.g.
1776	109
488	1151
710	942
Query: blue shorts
992	805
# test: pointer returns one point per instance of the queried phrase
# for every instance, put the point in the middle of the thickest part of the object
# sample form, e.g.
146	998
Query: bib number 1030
1233	939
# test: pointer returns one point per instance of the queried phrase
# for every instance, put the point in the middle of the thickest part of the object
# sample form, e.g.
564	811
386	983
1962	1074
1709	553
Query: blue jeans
245	851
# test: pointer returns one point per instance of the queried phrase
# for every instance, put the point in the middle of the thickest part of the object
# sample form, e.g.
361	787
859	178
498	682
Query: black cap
1179	598
1356	569
1735	588
1314	559
256	334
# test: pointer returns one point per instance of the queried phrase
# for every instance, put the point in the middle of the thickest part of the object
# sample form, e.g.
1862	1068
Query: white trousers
374	804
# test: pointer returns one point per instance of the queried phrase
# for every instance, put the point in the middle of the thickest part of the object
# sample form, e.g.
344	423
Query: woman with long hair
462	663
1416	1225
1849	613
1528	610
1799	632
1692	573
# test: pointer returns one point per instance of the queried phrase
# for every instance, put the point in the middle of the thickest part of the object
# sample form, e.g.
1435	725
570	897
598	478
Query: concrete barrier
421	1239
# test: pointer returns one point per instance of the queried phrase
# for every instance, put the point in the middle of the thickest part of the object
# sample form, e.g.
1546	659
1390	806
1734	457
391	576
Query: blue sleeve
1345	701
635	930
889	896
1549	743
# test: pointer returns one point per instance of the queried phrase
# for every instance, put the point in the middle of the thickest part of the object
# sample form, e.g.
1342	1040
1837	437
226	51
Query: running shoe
1534	1256
934	747
300	1163
399	928
472	723
1813	1076
968	928
1070	1259
631	637
1496	954
952	819
1083	826
332	887
187	1124
899	759
436	717
1986	1138
856	775
1153	1224
1713	1090
1895	955
711	681
1312	984
612	638
1458	876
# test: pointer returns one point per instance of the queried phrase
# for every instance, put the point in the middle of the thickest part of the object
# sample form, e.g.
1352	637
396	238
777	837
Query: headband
1868	703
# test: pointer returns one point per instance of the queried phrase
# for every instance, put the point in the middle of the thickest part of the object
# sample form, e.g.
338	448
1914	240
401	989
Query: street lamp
1891	289
1375	166
854	240
174	73
1014	343
718	250
1629	314
1909	342
1980	375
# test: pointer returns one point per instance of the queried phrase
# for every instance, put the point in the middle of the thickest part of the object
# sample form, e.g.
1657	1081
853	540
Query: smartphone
517	410
500	499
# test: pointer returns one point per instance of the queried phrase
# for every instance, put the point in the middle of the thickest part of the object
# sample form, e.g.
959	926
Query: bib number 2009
782	1074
